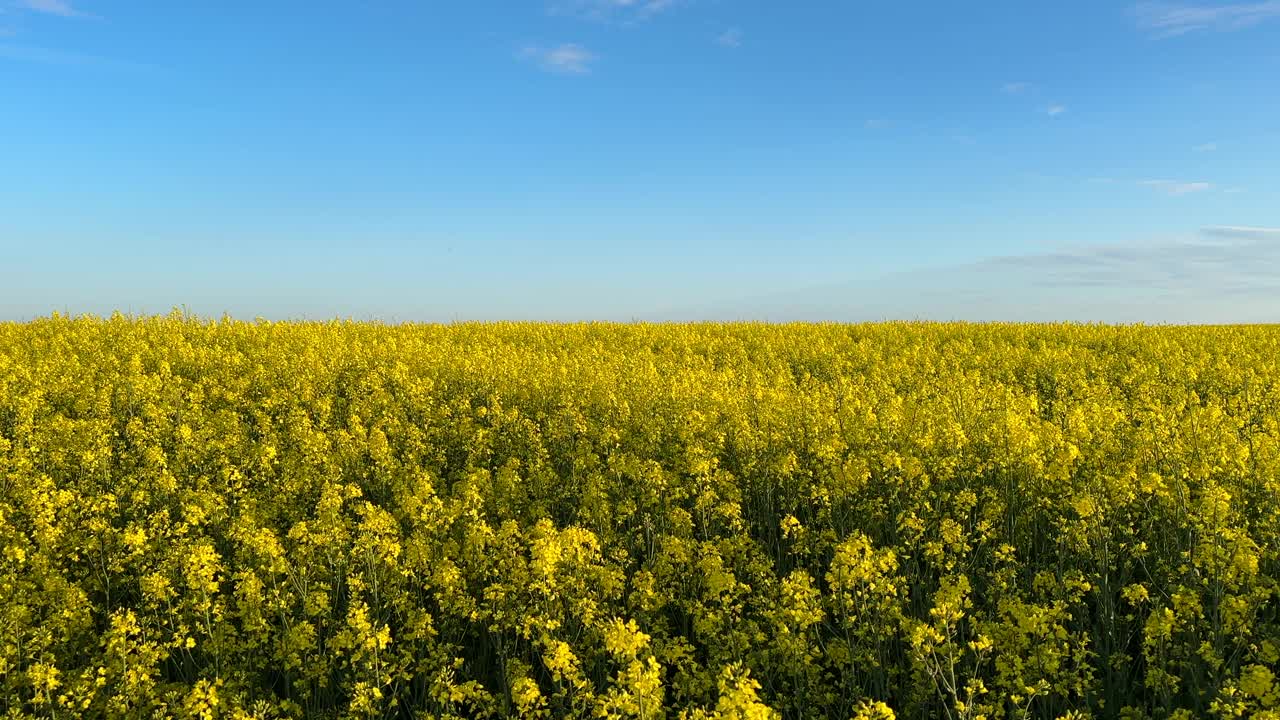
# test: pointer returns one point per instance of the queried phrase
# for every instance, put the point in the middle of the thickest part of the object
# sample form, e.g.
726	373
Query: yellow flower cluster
218	519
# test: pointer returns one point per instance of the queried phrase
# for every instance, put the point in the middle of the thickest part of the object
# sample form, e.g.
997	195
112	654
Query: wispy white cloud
568	59
875	123
1176	187
731	38
1165	19
1216	275
649	7
1228	263
1207	147
1055	110
51	7
64	58
624	10
1243	232
1015	88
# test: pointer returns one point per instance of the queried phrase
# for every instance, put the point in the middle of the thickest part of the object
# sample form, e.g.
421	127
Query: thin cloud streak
608	10
1176	187
63	58
1220	274
567	59
1244	232
730	38
1164	19
60	8
1219	260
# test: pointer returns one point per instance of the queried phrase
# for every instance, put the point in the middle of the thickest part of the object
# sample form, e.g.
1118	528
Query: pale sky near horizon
642	159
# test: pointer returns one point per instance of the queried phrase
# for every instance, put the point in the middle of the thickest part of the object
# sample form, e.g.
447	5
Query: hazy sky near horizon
642	159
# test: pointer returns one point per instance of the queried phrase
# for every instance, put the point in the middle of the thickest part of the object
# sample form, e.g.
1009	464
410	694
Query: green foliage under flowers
215	519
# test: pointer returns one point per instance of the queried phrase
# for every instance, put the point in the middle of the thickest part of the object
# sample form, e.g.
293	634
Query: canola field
217	519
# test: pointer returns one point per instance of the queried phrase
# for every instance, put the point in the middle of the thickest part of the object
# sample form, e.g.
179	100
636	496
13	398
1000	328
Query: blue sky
642	159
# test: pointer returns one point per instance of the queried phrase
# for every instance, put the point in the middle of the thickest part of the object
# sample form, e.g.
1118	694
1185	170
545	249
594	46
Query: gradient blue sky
641	159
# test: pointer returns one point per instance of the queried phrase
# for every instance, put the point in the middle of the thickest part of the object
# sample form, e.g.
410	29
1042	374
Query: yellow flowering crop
217	519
